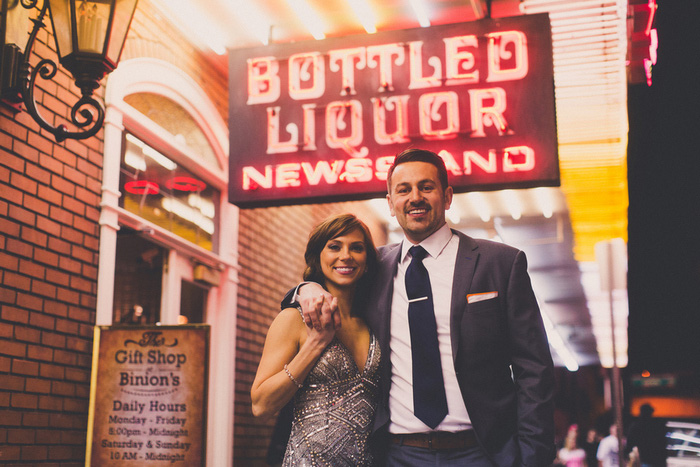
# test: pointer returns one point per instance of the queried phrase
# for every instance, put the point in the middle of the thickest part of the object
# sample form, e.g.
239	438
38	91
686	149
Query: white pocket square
478	297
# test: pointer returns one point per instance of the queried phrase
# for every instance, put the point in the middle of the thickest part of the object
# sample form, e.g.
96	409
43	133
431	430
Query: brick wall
49	209
271	248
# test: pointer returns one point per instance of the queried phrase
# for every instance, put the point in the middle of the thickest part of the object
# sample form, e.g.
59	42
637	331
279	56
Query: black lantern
90	36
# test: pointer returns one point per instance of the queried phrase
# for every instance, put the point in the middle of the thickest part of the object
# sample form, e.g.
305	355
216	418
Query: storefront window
163	192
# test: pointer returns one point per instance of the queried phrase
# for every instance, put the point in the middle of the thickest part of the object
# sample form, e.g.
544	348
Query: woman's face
344	259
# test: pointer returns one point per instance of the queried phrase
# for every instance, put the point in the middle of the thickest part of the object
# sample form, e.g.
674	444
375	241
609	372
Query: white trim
158	77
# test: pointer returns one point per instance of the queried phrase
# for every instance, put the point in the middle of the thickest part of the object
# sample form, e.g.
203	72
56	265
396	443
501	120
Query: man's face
417	199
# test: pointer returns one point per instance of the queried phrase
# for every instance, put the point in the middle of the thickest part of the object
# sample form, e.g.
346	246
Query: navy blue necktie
429	400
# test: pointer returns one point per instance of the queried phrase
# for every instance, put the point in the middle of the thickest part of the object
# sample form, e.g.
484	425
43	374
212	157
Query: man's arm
533	369
316	305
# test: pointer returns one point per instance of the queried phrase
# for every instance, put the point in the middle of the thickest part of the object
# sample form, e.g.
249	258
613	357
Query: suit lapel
465	267
388	265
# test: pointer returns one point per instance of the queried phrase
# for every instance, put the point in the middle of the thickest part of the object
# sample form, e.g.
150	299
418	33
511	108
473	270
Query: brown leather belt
437	440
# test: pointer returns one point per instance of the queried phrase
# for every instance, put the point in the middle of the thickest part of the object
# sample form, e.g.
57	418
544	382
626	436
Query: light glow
364	13
421	11
512	203
308	16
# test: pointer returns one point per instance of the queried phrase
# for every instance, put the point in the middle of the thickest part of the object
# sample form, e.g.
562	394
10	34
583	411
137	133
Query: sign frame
494	77
153	367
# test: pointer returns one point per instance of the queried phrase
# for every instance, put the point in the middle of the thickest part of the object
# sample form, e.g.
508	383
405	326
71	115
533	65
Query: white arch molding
146	75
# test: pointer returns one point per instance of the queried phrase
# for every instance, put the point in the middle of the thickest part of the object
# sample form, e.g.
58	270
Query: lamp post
89	37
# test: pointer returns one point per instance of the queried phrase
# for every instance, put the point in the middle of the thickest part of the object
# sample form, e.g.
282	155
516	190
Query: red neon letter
399	106
450	162
429	106
381	55
274	145
458	63
252	179
307	68
488	115
497	51
347	57
382	165
287	175
357	170
524	166
336	115
323	169
415	60
488	165
263	80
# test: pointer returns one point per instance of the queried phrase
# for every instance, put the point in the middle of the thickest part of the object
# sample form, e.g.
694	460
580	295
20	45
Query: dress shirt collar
434	244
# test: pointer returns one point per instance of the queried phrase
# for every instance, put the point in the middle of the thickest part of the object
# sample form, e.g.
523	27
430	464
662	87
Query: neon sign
322	120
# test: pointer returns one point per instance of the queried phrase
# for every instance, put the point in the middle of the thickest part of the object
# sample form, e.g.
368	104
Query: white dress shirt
440	263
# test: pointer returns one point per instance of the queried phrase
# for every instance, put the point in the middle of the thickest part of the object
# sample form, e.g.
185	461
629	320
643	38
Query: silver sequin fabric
334	410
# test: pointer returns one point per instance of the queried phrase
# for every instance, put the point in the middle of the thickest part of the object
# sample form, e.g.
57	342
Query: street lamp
89	36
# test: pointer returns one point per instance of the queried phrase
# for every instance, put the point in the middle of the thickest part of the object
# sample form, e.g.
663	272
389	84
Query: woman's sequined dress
333	412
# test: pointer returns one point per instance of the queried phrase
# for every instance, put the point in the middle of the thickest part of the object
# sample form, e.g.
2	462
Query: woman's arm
285	344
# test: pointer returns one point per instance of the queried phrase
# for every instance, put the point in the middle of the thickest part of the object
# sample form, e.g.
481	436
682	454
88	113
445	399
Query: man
648	435
493	403
609	449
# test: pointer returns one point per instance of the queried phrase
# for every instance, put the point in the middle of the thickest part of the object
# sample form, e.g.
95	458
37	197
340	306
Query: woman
571	455
332	374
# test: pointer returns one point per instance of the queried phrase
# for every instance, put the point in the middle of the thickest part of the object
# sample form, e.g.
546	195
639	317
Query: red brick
50	163
64	155
5	364
62	185
10	453
26	334
4	399
50	403
64	357
12	383
7	331
46	257
16	315
25	367
45	224
34	453
75	176
30	268
35	419
12	348
24	183
16	281
74	206
21	436
38	386
91	170
59	246
67	295
38	352
48	370
60	452
11	194
72	234
44	289
42	321
50	195
30	301
66	326
27	152
85	225
8	261
8	227
78	283
23	400
38	174
36	205
12	161
55	308
22	215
